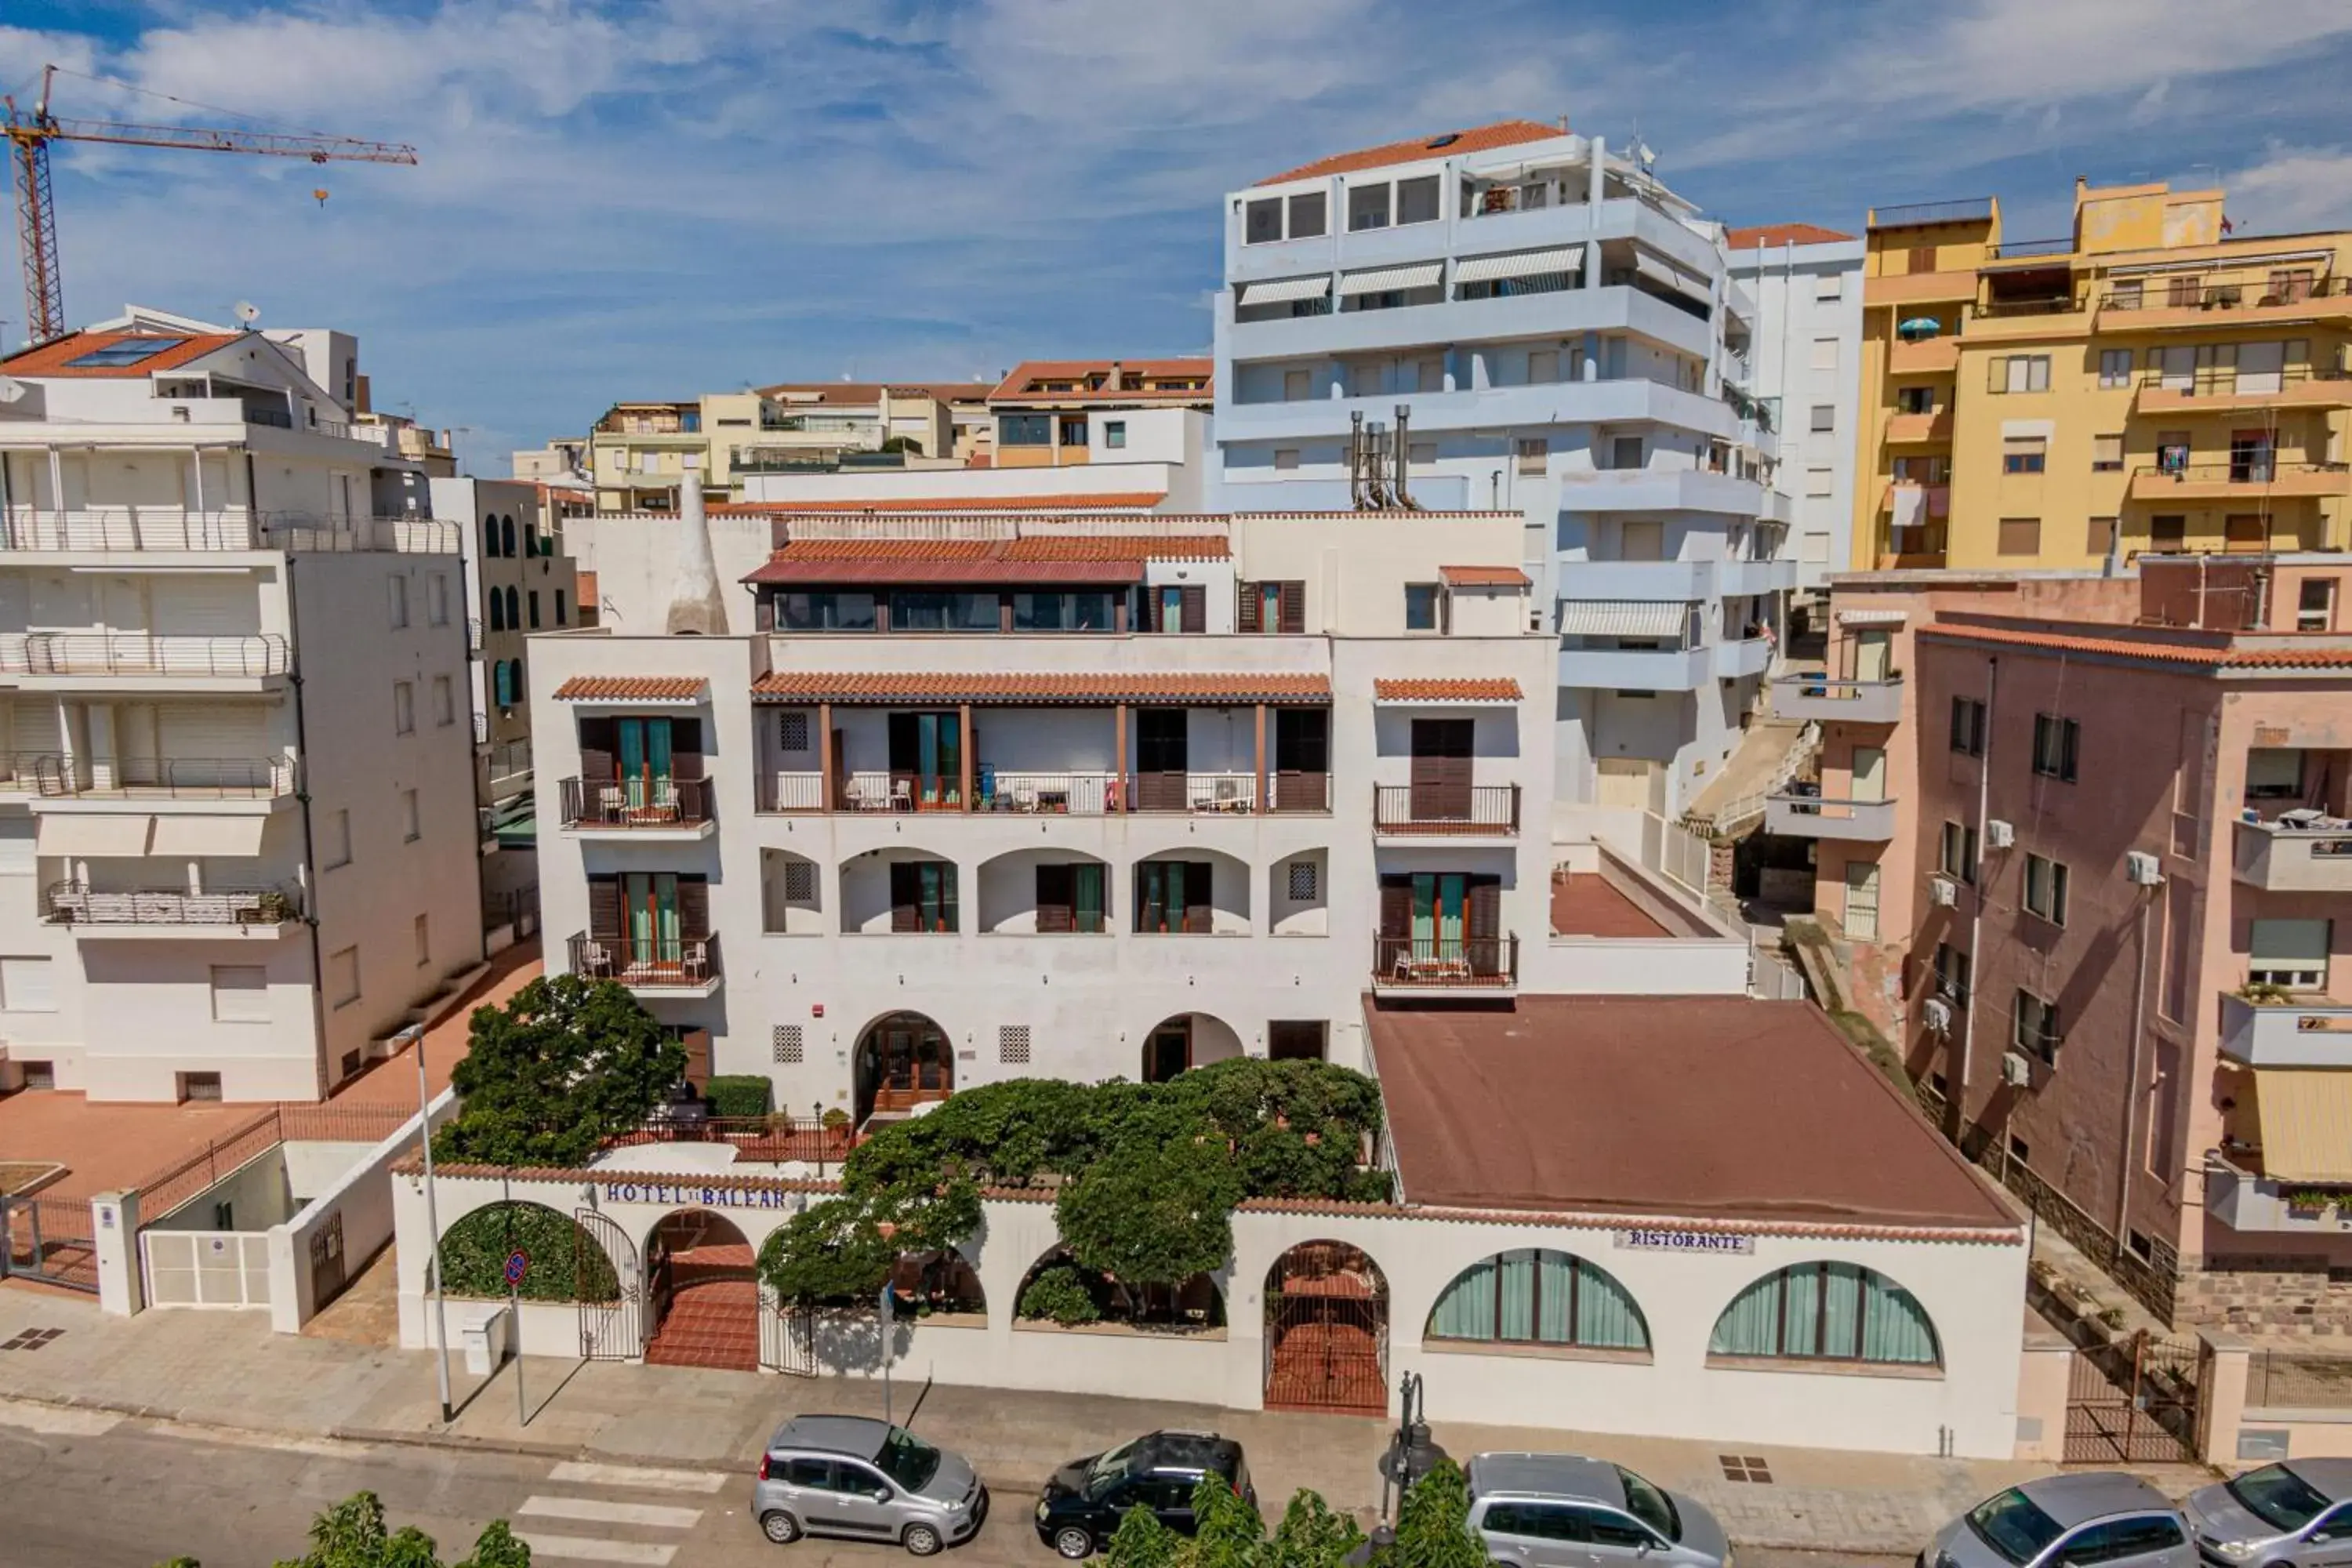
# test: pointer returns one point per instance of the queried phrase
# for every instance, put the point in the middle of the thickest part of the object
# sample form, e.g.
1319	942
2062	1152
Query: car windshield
2282	1499
2011	1525
1109	1466
908	1459
1651	1506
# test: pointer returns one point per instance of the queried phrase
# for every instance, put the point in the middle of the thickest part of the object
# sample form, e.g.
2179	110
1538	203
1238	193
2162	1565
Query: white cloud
2292	190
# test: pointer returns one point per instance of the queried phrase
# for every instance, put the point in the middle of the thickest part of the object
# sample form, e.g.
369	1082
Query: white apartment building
1563	337
236	846
1807	284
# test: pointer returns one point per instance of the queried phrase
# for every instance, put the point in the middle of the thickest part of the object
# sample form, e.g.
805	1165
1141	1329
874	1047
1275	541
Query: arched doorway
1327	1332
904	1060
1186	1041
702	1292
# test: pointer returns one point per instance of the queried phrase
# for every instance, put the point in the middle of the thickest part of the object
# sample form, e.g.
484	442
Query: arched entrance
904	1059
702	1293
1327	1332
1186	1041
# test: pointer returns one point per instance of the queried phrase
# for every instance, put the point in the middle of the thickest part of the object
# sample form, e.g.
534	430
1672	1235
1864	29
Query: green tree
353	1534
1227	1531
1311	1535
497	1548
1142	1542
830	1252
1433	1525
565	1065
1058	1294
1152	1213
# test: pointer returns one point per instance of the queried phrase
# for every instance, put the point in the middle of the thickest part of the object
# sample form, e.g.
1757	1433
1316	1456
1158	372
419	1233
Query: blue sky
657	197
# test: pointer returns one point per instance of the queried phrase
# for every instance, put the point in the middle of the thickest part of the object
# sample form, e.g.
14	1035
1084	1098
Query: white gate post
114	1236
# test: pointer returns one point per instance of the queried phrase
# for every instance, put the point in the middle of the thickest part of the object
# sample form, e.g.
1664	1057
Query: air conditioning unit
1943	890
1999	835
1936	1014
2016	1071
2142	870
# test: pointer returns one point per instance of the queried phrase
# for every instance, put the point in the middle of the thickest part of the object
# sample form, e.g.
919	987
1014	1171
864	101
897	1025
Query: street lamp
1412	1452
433	1225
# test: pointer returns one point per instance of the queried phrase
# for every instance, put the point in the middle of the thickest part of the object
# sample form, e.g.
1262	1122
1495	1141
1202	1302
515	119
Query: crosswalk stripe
636	1552
576	1473
597	1510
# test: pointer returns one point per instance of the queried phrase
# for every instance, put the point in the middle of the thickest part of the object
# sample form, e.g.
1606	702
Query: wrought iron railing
634	802
1444	963
1440	809
687	963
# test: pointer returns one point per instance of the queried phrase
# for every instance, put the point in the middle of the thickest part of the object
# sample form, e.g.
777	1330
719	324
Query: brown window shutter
1396	906
1294	606
597	744
1196	607
1245	612
686	748
1056	898
694	908
906	896
764	612
697	1057
604	908
1200	911
1485	915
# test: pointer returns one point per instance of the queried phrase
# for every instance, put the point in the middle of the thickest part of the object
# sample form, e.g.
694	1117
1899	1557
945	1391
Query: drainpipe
309	844
1960	1104
2132	1090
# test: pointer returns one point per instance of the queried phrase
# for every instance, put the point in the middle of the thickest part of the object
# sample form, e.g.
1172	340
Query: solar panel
123	351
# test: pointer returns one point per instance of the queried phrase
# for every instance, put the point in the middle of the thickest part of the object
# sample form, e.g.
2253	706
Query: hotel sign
1683	1241
689	1194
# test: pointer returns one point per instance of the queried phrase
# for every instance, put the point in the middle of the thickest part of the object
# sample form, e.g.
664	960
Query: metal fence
205	1267
49	1239
183	1179
2298	1380
142	653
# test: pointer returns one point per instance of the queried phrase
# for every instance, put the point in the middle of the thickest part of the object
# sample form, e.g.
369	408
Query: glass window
1416	200
913	610
1539	1297
2025	454
1114	434
1084	611
1074	429
2056	742
1306	215
1838	1311
2034	1026
2045	888
1262	221
1368	207
2290	952
2013	1525
1824	415
824	612
1421	606
2274	1494
1025	429
2115	367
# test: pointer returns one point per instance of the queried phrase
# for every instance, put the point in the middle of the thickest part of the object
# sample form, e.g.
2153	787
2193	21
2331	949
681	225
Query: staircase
1773	752
713	1325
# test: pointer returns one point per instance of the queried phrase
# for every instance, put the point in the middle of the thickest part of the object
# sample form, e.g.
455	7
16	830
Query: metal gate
327	1265
1327	1332
49	1239
611	1329
787	1335
2133	1401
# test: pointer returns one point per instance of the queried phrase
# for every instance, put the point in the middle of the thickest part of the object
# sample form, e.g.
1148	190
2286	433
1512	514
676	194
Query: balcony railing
770	1140
1044	793
1439	810
2049	305
2286	1029
473	636
57	777
2255	469
634	802
1855	701
143	653
1919	212
2225	292
1798	815
2011	249
687	964
2228	380
1442	964
73	903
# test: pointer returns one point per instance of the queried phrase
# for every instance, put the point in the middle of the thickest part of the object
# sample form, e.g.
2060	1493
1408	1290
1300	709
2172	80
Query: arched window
502	678
498	611
506	534
1837	1312
1537	1297
489	536
514	603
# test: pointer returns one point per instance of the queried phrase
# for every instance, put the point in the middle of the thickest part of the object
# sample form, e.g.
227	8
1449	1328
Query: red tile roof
631	688
1452	690
814	686
1020	386
1780	234
1060	558
1483	576
2185	648
49	359
1477	138
1072	501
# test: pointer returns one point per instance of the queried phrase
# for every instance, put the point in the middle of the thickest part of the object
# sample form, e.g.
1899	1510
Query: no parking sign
518	1264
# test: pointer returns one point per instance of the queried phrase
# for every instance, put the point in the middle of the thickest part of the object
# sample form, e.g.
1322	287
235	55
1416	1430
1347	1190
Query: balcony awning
192	836
1622	617
1659	271
2306	1116
98	835
1285	289
1380	279
1872	617
1525	264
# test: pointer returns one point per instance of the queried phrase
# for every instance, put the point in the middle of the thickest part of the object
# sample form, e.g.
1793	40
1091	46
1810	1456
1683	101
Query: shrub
739	1094
474	1254
1060	1295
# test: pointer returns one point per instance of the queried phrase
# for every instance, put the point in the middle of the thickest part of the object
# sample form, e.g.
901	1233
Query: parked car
2297	1513
864	1478
2078	1520
1085	1499
1563	1510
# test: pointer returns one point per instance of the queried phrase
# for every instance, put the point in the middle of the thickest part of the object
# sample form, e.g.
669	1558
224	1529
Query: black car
1087	1498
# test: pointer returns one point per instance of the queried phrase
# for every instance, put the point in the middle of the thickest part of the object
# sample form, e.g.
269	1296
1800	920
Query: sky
655	198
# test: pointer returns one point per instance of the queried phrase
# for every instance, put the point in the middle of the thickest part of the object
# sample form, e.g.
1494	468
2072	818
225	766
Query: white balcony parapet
1818	697
2297	852
1812	816
2290	1032
2250	1203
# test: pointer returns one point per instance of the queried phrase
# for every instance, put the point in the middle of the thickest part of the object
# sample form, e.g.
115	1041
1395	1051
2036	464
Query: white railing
400	535
793	791
228	1268
1073	793
130	527
1798	757
1220	792
142	653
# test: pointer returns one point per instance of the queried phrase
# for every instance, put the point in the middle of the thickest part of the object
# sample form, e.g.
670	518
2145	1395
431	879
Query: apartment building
1806	281
1553	333
1067	414
236	845
2150	380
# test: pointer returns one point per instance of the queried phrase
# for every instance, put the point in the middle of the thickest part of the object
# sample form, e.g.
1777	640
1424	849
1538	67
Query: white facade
1159	451
1807	358
1568	344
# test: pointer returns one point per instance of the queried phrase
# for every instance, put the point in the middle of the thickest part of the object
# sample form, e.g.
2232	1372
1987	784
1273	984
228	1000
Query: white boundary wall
363	1198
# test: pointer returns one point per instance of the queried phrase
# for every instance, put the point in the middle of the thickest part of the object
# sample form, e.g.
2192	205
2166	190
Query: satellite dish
11	390
247	312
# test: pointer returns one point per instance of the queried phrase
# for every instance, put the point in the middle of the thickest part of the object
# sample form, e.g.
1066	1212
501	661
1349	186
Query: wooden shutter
598	742
1441	768
1396	906
1056	899
1245	612
686	748
764	615
1292	607
694	908
906	896
1199	911
1196	607
697	1057
1482	924
604	907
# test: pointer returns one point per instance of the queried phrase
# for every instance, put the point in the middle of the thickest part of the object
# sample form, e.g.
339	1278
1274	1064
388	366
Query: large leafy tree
565	1065
354	1534
1433	1524
1152	1212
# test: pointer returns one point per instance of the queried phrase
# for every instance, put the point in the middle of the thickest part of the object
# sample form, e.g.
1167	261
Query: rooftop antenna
246	313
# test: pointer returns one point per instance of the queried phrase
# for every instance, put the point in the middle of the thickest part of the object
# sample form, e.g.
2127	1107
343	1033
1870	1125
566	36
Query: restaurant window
1534	1295
1829	1311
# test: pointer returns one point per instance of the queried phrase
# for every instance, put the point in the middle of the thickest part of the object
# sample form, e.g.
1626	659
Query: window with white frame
2114	368
344	977
403	708
2292	953
240	994
1825	354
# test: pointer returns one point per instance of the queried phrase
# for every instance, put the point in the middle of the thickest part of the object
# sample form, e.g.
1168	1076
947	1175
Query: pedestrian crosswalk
604	1513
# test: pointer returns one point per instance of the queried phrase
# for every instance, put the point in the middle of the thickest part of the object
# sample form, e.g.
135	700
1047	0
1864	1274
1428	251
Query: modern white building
237	838
1807	284
1562	340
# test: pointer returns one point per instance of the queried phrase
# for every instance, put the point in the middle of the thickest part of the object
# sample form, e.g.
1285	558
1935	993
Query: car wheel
780	1527
1073	1542
920	1540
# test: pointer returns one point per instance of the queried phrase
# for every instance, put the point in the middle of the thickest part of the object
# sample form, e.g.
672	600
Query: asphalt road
94	1491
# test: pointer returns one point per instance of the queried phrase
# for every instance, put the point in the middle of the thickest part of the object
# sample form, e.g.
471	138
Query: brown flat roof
1686	1106
1584	903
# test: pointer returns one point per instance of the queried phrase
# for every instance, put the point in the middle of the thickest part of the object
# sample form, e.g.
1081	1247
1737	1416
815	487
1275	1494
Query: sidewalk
226	1369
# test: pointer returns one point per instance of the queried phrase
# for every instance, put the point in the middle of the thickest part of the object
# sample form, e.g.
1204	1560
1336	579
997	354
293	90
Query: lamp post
433	1225
816	1120
1411	1455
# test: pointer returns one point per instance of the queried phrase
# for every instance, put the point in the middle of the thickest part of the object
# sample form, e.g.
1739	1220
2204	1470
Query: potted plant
270	908
2265	993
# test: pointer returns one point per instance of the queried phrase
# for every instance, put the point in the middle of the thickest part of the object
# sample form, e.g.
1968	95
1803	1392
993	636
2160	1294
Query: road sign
518	1264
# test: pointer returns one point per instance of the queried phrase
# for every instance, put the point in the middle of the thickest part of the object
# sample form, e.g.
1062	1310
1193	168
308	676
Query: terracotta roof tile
2184	648
1072	501
993	685
1021	382
50	359
1483	576
1782	233
1065	558
1477	138
1447	689
631	688
1999	1235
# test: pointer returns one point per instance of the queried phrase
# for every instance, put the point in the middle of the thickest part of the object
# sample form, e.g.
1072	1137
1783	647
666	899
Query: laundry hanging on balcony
1910	506
1283	291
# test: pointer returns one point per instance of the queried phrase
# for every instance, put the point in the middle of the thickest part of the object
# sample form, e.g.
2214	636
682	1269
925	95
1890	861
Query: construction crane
30	134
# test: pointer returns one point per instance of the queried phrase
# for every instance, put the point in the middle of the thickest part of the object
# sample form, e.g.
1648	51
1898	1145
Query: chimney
1117	380
697	608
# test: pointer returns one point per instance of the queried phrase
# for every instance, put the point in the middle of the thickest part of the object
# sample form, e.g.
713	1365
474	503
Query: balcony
55	777
2280	857
2240	478
128	530
1477	965
679	966
1920	429
1638	669
139	655
1821	699
2250	1203
1812	817
2226	298
2297	1032
1657	490
2213	391
1031	793
1927	356
1735	577
1737	657
1446	811
1951	288
649	808
230	914
1629	400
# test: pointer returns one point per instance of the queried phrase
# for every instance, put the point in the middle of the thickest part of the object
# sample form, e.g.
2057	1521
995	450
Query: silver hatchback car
2297	1513
2067	1521
1562	1510
867	1479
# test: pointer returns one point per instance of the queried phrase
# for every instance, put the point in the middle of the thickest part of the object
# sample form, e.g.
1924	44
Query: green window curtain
1452	891
1555	1295
1087	897
1751	1324
673	950
1424	915
1518	1294
1895	1327
1605	1312
1151	895
1802	1318
1172	888
636	890
1841	1310
1466	1311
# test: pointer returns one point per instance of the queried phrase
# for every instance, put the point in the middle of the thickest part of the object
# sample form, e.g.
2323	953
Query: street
93	1490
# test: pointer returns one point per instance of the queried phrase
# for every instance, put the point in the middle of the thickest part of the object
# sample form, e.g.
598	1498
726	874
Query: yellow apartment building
2149	382
640	452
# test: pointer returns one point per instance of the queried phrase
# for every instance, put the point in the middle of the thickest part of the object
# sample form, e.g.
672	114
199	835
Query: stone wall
2270	1298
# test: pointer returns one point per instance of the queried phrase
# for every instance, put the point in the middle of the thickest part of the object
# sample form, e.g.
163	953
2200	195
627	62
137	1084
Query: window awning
1662	271
106	833
2219	263
195	835
1285	289
1872	617
1622	617
1380	279
2306	1116
1525	264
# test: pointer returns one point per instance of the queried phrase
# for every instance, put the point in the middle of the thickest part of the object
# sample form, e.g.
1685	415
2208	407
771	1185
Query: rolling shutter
604	908
686	748
1396	906
694	908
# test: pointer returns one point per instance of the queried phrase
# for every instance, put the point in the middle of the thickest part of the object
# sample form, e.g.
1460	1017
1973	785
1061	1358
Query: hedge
474	1255
739	1094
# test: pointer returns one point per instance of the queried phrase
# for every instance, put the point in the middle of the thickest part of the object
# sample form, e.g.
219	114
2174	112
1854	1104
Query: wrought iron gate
611	1329
327	1267
49	1239
1327	1332
787	1335
2133	1401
